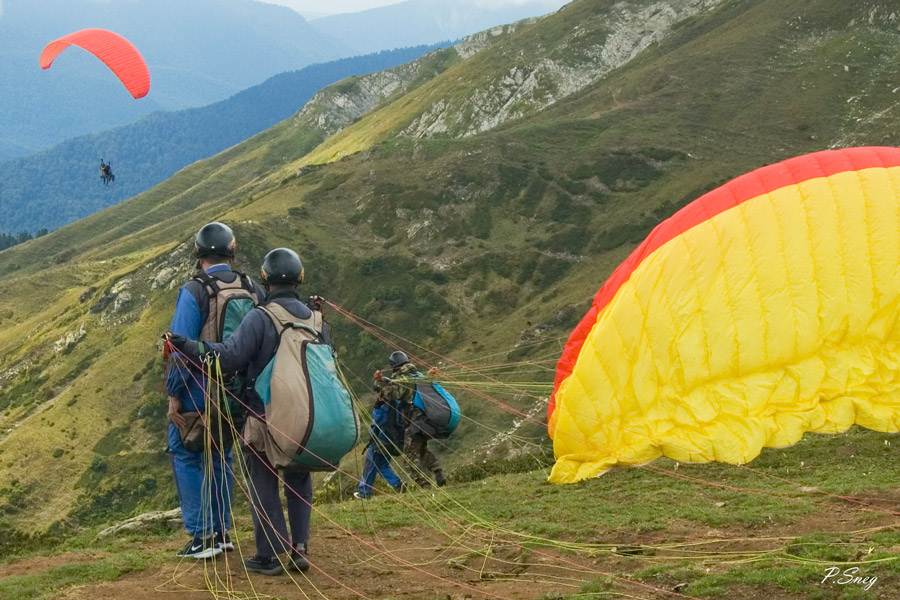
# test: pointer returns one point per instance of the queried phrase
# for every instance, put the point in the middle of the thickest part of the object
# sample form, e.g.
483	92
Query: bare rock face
144	523
549	74
337	106
479	41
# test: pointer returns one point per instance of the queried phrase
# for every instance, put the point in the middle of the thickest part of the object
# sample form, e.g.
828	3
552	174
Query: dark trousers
418	453
269	526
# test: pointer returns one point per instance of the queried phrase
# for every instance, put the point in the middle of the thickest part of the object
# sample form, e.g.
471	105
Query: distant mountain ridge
61	185
424	21
198	52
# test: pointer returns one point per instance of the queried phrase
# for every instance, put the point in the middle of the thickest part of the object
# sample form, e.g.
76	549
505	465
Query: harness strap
285	320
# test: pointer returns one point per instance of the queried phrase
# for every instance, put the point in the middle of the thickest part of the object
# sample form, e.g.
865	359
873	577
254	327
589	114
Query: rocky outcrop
145	523
544	75
339	105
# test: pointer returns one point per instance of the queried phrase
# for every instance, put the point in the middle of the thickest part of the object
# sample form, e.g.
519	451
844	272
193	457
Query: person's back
249	350
207	517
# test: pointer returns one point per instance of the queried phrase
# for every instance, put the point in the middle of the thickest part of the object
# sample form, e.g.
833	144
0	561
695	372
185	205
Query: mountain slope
198	52
484	241
391	26
61	185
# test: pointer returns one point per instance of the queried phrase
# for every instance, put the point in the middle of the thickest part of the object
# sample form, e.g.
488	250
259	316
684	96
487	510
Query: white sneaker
200	548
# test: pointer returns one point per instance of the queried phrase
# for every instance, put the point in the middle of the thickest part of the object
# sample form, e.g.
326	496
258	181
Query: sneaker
360	496
267	565
400	489
223	541
297	559
200	548
440	479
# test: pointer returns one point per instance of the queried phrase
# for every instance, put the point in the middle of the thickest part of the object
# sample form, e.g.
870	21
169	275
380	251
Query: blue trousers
204	486
377	464
269	529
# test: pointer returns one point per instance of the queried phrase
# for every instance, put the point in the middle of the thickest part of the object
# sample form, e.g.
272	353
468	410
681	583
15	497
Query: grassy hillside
483	241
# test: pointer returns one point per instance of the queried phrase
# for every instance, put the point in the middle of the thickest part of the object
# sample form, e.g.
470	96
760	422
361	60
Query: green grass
634	523
47	584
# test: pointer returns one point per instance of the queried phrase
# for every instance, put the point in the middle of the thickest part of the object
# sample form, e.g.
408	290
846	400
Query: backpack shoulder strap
285	320
247	284
208	281
318	320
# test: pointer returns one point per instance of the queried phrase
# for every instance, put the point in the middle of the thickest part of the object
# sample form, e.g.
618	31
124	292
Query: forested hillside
60	185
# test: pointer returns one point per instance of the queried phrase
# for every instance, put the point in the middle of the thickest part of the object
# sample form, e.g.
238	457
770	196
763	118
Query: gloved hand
179	341
315	303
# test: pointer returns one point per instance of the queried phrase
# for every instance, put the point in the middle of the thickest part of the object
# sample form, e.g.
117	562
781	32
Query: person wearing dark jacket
206	516
249	349
400	388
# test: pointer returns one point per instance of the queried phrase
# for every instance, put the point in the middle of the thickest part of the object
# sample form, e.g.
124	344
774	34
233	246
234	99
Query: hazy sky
342	6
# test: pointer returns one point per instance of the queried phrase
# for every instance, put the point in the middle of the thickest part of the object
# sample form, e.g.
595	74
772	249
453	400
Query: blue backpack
439	407
388	428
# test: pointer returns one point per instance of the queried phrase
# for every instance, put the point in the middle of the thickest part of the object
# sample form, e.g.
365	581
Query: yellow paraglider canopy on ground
762	310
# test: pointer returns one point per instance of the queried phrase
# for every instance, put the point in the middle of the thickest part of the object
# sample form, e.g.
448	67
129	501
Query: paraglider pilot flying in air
106	173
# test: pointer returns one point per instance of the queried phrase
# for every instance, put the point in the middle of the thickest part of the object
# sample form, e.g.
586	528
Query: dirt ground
423	563
412	563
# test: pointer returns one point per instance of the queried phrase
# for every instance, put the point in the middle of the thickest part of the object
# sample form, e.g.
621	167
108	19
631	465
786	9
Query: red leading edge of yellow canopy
762	310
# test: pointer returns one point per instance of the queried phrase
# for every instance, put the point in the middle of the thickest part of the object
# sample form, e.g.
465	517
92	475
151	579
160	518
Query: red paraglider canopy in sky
115	51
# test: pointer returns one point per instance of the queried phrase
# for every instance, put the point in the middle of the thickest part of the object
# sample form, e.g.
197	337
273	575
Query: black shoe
440	479
200	548
267	565
223	541
361	496
297	559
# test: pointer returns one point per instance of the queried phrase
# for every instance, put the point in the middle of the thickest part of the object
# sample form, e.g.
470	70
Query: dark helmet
282	265
398	359
214	239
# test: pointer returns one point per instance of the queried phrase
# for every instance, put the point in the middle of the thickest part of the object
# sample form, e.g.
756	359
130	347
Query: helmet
214	239
282	265
398	359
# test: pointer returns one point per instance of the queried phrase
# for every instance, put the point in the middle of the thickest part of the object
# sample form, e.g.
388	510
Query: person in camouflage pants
401	386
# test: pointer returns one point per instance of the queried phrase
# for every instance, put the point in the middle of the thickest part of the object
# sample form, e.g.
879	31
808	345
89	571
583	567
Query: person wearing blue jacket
386	439
204	488
249	349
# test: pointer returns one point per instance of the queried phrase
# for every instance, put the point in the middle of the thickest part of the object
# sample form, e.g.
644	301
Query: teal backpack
440	408
310	422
